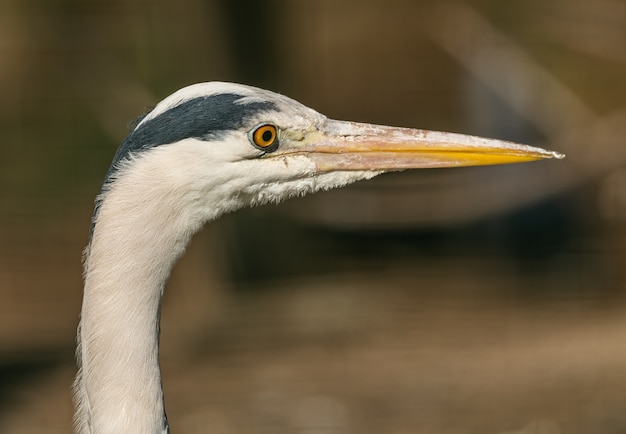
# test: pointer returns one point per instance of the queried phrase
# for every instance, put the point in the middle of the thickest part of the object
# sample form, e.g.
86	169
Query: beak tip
555	155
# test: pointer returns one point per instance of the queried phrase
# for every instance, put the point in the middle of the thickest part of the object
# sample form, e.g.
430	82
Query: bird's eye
264	137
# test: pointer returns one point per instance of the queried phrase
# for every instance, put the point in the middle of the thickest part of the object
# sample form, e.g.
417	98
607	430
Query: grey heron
206	150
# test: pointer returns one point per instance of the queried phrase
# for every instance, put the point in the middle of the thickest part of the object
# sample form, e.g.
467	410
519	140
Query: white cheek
197	181
299	178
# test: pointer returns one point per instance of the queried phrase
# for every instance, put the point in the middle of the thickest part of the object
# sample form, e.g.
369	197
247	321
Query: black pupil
267	135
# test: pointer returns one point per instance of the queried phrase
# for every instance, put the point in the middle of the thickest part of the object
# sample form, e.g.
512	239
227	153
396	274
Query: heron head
222	146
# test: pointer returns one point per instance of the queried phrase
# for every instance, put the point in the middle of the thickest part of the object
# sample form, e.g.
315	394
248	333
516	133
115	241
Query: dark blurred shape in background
478	300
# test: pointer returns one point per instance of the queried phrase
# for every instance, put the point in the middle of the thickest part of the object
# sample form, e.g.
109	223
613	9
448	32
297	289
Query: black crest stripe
203	117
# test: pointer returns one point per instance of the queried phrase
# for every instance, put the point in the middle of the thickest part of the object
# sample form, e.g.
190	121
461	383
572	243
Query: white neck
135	242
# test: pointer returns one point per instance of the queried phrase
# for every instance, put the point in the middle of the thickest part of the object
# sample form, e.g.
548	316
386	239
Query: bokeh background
479	300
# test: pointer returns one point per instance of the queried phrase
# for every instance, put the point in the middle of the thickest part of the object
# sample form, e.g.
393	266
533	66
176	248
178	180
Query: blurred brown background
483	300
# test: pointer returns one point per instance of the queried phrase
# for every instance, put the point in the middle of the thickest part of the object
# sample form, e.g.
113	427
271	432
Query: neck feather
135	242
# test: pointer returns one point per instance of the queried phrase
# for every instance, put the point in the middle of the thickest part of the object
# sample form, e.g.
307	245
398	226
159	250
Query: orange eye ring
264	137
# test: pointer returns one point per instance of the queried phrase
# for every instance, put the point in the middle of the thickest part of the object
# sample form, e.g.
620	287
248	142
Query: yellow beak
358	146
